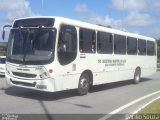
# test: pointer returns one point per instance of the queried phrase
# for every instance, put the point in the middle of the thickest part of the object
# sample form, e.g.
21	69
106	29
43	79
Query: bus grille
24	75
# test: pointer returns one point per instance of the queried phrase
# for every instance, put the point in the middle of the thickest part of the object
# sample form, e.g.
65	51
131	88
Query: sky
136	16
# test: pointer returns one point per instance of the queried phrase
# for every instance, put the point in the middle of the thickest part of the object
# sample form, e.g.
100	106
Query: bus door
67	53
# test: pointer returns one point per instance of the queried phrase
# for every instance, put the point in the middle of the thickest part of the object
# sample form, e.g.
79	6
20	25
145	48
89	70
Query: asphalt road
99	102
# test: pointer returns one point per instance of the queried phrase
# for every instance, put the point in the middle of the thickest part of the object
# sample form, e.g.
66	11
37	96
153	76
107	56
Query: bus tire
137	75
83	85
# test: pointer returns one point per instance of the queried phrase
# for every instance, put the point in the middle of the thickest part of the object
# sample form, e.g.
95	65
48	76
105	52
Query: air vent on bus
23	83
104	26
26	75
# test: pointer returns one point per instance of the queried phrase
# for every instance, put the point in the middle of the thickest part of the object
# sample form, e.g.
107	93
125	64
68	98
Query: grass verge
150	112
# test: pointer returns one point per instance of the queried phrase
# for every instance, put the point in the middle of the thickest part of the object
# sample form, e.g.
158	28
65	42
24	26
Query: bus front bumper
41	85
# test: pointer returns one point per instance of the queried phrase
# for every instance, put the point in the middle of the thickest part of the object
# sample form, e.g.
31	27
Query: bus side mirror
3	35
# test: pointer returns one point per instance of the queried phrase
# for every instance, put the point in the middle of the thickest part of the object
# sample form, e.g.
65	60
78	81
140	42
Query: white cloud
133	19
136	5
14	9
128	4
91	17
13	4
154	32
139	14
81	8
137	19
154	6
105	20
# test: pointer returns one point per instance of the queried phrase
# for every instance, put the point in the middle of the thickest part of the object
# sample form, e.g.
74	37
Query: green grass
2	53
153	108
150	112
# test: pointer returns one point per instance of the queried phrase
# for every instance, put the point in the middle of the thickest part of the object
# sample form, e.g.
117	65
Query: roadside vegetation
158	49
150	112
2	53
153	108
3	49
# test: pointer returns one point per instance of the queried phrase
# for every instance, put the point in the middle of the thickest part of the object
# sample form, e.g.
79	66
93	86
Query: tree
3	48
158	49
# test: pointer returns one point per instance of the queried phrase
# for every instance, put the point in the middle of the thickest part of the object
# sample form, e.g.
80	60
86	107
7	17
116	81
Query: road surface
100	101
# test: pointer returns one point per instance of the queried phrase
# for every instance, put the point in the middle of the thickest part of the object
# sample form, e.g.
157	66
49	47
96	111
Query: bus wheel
137	75
83	85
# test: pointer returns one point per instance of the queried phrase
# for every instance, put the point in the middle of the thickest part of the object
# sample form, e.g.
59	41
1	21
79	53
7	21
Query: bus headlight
44	75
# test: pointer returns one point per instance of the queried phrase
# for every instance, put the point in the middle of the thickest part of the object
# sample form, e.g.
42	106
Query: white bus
54	54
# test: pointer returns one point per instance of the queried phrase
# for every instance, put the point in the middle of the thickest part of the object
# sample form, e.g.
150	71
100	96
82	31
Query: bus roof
61	20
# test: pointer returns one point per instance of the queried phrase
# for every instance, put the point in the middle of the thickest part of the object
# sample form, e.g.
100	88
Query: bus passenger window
104	43
93	42
87	41
142	47
119	44
150	48
131	46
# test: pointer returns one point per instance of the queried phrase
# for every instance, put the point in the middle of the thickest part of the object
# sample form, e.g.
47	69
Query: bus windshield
31	45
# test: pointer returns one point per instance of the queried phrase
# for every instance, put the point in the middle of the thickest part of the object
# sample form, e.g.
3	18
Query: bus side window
104	43
87	40
142	47
93	41
119	44
81	41
132	46
150	48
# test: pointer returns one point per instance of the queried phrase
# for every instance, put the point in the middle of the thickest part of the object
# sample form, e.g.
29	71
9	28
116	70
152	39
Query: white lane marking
127	105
